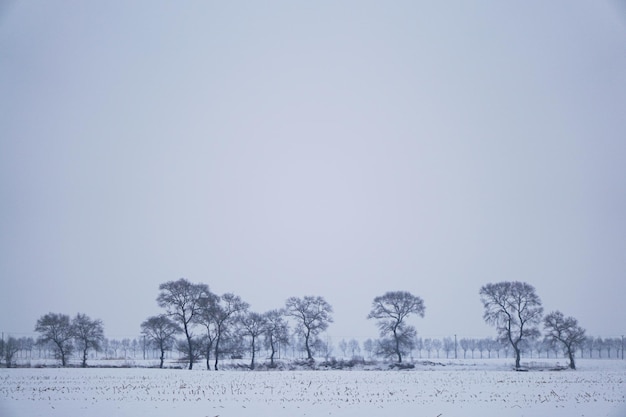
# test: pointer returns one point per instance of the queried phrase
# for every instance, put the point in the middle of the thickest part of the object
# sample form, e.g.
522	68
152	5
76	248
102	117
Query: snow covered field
465	388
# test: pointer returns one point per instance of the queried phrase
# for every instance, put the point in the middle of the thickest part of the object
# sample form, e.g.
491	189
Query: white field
464	388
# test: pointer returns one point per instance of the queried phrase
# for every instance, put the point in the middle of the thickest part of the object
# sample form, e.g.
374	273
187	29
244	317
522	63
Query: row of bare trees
65	335
515	309
487	348
18	350
213	325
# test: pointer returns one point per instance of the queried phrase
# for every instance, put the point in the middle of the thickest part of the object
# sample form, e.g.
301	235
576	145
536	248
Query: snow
486	388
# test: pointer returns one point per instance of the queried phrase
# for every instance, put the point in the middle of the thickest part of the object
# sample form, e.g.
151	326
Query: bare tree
465	345
481	346
160	330
313	315
125	346
391	309
473	345
88	334
515	309
368	346
566	331
182	300
11	347
428	346
437	345
343	346
448	346
598	345
114	346
276	332
229	308
253	326
418	344
209	307
56	328
354	347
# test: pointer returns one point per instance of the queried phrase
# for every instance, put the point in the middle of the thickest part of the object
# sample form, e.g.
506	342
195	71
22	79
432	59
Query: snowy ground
485	388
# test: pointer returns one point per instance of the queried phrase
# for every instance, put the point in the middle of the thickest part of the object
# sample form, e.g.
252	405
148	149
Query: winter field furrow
442	392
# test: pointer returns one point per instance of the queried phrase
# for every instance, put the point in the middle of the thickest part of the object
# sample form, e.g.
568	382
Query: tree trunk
189	347
252	363
208	356
572	365
395	338
217	355
162	356
517	356
84	364
273	351
306	343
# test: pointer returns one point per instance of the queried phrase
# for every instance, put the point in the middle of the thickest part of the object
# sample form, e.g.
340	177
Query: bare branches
566	331
160	330
313	315
515	309
56	328
88	333
391	309
183	301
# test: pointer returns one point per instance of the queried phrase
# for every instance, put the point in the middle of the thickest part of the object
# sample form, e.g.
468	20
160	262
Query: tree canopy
514	308
391	310
313	315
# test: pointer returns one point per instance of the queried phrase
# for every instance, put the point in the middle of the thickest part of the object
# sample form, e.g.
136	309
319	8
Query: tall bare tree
183	300
566	331
313	315
515	309
391	310
276	332
228	310
253	325
160	331
88	334
56	328
209	307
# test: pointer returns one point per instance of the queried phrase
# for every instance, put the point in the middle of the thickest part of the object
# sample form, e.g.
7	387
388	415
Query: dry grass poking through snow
448	391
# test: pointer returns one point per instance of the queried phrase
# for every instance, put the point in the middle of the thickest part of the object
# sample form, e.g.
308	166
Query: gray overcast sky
341	149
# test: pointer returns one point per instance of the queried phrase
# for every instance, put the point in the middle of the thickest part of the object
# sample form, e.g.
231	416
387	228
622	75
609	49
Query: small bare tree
448	346
343	346
11	347
515	309
160	331
313	315
354	347
566	331
56	328
391	309
465	346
